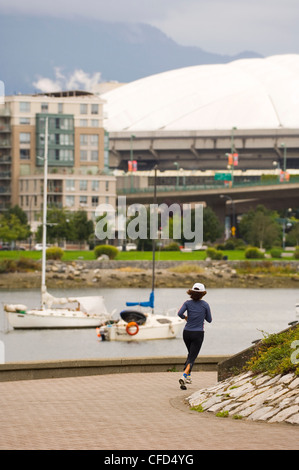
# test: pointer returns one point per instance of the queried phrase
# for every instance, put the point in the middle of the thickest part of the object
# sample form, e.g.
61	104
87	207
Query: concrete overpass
204	150
280	196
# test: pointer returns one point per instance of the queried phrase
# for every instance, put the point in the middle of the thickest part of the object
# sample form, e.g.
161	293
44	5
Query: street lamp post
233	151
131	159
284	158
177	177
233	226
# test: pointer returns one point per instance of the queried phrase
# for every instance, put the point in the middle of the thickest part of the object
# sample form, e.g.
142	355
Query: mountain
33	47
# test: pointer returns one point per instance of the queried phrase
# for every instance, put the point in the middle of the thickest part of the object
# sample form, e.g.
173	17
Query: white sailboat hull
152	329
52	319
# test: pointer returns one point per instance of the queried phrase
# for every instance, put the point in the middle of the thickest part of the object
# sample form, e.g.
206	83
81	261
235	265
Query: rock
257	398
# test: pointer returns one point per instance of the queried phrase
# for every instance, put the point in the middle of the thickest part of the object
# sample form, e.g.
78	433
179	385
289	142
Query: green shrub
229	245
109	250
253	253
54	253
27	264
8	266
172	247
214	254
275	253
296	253
239	244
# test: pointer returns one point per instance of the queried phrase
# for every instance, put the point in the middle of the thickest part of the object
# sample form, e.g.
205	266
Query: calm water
240	316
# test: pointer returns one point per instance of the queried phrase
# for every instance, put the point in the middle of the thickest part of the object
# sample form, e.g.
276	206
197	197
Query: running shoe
182	382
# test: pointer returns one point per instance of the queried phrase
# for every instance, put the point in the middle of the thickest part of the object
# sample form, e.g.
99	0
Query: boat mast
154	240
43	286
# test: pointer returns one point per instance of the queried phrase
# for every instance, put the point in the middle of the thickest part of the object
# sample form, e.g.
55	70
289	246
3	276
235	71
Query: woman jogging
195	311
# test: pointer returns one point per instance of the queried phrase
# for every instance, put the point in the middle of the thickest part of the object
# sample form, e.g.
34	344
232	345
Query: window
83	200
83	122
95	185
45	107
24	137
83	155
24	120
66	155
94	201
61	123
60	108
84	139
70	201
94	140
94	123
83	108
24	154
94	109
94	155
66	139
107	185
24	107
83	185
70	185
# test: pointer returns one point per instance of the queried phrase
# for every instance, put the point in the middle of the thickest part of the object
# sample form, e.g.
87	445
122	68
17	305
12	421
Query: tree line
258	227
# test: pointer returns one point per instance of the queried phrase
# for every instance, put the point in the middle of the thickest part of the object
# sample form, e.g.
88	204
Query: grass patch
277	354
186	268
197	408
222	414
19	265
266	267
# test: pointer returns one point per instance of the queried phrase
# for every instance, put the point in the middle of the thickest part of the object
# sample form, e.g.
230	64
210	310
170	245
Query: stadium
208	118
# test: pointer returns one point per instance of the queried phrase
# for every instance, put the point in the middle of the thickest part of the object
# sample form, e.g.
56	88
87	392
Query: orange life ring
129	325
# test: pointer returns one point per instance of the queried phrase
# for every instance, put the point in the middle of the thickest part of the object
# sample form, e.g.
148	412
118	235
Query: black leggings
193	341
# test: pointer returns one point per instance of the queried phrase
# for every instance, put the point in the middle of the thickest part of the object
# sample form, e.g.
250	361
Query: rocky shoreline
81	274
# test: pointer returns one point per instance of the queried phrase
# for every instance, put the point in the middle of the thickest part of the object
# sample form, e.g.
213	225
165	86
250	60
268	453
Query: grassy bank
277	354
232	255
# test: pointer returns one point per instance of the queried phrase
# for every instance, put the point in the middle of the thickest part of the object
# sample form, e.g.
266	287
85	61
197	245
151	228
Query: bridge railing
200	187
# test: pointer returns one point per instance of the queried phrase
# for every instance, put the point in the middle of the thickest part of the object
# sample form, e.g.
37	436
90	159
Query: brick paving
143	411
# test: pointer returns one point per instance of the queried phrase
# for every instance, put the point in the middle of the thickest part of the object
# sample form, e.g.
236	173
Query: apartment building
78	154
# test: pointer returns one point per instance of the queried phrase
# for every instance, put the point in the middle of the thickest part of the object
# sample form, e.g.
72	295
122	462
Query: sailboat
142	325
67	312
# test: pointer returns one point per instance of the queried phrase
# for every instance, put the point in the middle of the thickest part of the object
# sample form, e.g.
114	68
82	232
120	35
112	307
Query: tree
293	235
212	228
12	229
65	225
57	225
81	227
260	228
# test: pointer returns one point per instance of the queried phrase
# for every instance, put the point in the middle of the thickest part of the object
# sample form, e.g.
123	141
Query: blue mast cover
149	303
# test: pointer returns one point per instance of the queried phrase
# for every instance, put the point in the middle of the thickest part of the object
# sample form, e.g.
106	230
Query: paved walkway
143	411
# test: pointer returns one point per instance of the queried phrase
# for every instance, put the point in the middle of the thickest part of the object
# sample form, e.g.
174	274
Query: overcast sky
267	27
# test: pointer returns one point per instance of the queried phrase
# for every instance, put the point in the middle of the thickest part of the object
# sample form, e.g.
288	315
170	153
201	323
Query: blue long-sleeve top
197	312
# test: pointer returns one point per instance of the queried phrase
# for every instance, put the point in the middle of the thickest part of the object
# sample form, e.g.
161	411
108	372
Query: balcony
4	112
5	128
6	190
5	174
5	143
5	160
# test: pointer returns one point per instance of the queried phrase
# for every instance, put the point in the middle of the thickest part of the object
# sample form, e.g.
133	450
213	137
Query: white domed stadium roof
247	94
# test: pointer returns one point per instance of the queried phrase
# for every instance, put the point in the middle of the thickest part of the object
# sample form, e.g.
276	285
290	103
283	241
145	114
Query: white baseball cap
198	287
